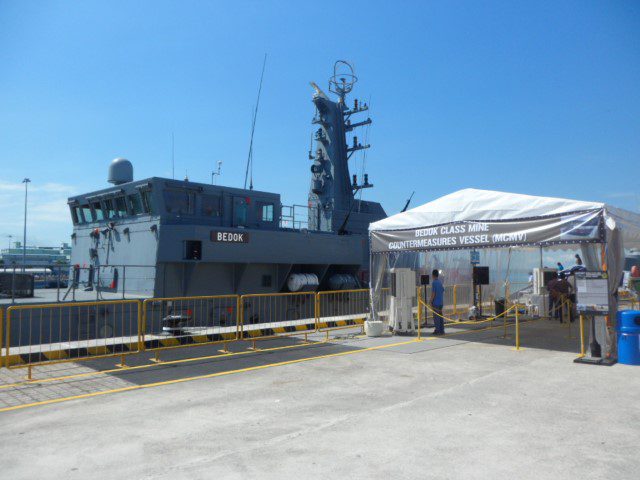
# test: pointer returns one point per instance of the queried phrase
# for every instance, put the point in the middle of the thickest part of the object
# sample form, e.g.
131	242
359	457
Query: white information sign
592	292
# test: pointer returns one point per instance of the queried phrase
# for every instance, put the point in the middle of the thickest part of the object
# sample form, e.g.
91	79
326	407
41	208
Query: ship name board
229	237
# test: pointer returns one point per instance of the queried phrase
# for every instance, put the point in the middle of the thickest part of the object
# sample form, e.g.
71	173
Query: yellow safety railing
626	297
463	298
342	309
35	334
582	349
2	354
565	307
452	321
458	298
67	332
269	315
450	296
177	322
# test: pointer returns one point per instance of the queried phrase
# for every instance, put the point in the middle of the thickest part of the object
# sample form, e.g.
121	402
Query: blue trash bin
628	329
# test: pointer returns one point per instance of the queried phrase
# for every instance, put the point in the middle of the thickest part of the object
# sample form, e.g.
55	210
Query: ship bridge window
86	213
135	204
75	217
109	209
211	205
99	213
179	202
266	212
240	211
146	201
121	206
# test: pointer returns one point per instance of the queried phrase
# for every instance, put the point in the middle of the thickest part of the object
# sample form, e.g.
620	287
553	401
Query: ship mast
332	192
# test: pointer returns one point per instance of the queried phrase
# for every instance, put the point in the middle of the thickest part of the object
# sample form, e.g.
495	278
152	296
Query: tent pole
544	298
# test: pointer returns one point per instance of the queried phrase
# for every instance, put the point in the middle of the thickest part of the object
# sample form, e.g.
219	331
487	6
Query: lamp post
26	182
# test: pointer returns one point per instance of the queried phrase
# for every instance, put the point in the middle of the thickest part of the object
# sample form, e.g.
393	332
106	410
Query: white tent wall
614	255
509	269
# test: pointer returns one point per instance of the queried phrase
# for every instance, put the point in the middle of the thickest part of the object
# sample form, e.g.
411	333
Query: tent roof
474	204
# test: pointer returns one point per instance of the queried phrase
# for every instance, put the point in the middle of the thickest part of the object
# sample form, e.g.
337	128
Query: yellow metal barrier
451	321
2	352
382	303
461	298
269	315
342	309
177	322
517	330
455	299
39	334
582	350
74	331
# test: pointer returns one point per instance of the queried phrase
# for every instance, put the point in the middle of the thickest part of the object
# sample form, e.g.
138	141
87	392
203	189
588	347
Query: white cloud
48	219
624	195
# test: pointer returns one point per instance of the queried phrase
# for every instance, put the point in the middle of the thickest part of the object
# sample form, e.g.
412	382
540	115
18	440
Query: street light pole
26	182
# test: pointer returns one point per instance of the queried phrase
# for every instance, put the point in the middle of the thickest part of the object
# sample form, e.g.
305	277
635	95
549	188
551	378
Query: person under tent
559	292
437	302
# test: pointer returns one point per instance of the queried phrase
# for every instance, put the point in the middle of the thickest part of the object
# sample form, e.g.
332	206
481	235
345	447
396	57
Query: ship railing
42	276
106	282
65	282
295	217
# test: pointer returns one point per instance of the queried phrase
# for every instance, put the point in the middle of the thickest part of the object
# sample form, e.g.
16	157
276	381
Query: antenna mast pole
253	128
173	163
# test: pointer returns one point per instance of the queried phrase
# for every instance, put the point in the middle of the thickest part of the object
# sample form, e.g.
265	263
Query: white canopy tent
482	219
472	204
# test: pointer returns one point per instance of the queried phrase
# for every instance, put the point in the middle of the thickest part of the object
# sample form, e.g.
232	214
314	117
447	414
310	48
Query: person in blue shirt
560	267
437	302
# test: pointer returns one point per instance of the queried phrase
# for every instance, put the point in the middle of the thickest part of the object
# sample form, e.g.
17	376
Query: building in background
35	256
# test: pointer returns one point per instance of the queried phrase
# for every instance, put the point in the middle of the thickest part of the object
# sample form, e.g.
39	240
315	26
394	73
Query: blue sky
532	97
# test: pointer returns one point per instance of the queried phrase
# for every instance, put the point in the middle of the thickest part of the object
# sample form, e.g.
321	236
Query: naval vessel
162	237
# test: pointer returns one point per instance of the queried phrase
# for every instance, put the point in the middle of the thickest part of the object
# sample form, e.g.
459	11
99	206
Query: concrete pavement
458	407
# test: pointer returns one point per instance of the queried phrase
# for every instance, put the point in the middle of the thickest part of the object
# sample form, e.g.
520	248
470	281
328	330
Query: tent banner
563	229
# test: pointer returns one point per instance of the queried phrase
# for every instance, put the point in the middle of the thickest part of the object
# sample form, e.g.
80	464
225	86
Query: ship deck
53	295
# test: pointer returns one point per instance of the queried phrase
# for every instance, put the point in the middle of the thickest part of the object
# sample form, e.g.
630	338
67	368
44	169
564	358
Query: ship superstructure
166	237
332	202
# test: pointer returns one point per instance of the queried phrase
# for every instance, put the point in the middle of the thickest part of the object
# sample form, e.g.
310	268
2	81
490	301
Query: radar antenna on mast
343	79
